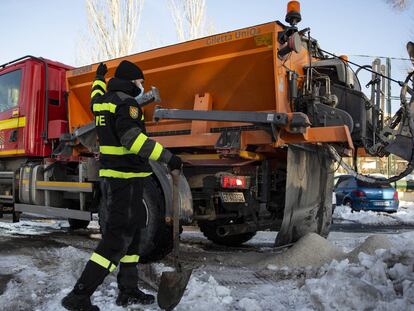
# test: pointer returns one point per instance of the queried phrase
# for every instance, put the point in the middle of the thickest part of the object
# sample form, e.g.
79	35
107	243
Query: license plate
232	197
382	203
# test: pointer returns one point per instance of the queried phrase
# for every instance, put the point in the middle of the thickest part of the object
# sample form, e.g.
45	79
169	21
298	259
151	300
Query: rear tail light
359	193
395	195
234	182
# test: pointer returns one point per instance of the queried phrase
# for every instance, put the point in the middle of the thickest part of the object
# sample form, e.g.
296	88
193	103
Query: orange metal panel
210	139
201	103
236	68
199	140
233	71
318	135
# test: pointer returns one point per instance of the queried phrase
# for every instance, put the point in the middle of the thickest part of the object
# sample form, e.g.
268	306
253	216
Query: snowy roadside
404	216
384	280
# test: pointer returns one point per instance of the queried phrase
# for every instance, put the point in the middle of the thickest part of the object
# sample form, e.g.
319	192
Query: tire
209	229
75	224
156	238
348	202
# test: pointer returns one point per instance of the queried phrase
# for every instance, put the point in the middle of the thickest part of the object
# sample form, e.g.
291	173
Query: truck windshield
9	89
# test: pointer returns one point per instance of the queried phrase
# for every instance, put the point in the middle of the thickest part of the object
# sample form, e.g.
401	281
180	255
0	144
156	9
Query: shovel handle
176	215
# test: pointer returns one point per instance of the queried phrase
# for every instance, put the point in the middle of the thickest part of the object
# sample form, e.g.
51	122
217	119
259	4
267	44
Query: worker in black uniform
124	153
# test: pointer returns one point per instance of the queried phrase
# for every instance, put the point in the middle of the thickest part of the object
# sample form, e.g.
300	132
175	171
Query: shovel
173	283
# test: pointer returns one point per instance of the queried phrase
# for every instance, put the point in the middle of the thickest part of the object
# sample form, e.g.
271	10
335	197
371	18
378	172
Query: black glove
101	70
175	163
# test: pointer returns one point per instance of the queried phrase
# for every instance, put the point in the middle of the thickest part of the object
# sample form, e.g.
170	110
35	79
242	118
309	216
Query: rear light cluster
359	193
395	195
234	182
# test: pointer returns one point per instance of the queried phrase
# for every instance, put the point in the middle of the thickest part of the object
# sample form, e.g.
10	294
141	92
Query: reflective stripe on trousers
103	262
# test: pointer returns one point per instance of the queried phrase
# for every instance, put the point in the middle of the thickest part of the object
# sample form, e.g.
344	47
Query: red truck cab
27	86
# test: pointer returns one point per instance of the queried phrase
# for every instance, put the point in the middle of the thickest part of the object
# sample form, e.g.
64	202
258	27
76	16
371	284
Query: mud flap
309	186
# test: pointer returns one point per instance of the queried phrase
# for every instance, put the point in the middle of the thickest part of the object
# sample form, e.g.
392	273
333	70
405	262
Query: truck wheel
156	238
209	229
75	224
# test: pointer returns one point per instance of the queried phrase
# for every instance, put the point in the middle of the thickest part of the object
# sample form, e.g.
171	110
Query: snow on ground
38	226
404	216
384	280
32	227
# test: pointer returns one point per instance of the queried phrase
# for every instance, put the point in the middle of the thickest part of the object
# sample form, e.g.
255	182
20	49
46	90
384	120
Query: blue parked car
360	195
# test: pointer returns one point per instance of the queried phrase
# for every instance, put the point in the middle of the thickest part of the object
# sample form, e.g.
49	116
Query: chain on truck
258	115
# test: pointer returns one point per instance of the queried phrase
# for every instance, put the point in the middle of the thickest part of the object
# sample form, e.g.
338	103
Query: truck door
11	120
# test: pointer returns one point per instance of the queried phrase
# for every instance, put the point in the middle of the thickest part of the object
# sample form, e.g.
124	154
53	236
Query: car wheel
348	203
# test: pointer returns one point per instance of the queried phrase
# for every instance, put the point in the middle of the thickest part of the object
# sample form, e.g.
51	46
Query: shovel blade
172	287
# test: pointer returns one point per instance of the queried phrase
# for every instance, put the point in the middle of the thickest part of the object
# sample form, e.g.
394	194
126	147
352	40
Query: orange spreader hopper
233	71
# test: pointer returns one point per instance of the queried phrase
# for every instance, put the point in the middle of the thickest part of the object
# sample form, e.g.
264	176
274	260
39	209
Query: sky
52	28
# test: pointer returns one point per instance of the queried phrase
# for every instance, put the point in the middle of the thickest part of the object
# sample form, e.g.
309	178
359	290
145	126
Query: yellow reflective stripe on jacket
130	259
155	154
103	262
104	107
114	150
142	117
119	174
139	141
100	83
99	92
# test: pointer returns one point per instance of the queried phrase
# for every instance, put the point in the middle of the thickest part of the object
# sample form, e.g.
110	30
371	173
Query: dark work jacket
123	144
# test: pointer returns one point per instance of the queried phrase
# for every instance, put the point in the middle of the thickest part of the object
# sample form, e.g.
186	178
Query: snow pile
369	246
248	304
205	294
303	254
38	278
381	281
404	215
33	227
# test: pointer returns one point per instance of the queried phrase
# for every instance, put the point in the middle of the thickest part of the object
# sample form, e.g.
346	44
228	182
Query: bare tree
189	18
399	4
112	27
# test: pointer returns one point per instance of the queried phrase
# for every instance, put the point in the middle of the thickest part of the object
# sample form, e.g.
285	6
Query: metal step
53	211
6	199
7	177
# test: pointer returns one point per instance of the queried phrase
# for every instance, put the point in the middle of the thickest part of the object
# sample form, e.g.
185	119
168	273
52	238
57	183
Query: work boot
76	302
134	296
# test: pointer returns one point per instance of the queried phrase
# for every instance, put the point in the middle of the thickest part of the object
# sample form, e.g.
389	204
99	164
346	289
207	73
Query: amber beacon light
293	13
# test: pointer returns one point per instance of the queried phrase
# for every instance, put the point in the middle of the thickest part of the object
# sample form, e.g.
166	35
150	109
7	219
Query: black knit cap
128	71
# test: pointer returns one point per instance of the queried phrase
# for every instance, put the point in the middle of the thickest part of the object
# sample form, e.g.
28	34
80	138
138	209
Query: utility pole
390	169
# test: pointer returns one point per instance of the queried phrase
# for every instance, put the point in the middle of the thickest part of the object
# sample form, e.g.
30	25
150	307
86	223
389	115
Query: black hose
400	83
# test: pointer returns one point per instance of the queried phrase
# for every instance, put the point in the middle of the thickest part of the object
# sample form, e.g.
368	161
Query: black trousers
122	216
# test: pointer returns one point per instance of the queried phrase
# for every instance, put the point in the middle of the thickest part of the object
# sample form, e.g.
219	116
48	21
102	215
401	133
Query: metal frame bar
276	118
